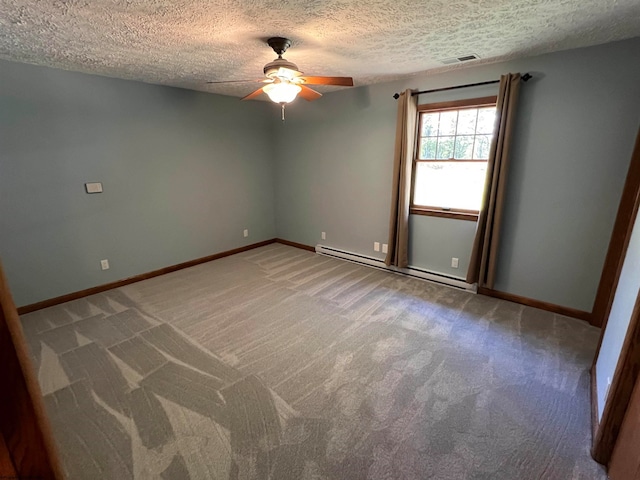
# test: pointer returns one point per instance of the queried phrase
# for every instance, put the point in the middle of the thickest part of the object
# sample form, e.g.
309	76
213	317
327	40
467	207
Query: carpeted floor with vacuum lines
281	364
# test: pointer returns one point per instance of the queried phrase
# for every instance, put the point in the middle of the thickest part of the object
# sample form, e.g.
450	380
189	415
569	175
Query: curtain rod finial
396	96
526	76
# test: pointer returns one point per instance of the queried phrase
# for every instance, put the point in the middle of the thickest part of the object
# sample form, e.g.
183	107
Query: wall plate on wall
94	187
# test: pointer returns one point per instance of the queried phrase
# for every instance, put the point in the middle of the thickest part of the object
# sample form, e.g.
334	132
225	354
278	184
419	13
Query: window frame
457	213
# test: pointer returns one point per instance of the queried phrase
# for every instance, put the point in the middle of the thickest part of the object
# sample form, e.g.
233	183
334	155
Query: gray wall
577	123
183	173
618	324
434	241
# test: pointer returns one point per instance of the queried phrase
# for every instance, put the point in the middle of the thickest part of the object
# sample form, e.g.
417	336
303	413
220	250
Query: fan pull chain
282	111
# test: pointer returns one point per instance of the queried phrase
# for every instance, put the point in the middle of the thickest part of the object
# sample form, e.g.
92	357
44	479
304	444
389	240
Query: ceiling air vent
460	59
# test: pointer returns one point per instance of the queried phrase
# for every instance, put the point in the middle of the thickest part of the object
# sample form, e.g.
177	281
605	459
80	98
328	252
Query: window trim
455	213
459	104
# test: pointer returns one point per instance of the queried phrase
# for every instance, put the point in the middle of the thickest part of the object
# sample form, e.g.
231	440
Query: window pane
482	147
464	147
445	147
448	123
430	124
428	147
467	121
486	120
449	184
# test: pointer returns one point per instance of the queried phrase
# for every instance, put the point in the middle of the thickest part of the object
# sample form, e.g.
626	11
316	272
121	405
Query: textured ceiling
184	43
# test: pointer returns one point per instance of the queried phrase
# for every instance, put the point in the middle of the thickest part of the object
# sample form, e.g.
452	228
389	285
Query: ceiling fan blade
342	81
239	81
253	95
309	94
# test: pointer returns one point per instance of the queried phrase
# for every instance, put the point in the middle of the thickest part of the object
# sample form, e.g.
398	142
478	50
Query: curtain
398	253
482	265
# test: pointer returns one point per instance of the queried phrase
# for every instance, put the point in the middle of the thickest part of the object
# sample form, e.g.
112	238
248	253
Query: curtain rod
524	77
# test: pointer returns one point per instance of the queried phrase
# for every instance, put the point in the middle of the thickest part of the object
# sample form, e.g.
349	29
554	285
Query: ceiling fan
284	81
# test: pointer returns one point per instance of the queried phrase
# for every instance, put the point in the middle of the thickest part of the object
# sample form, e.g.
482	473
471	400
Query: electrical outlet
104	264
385	248
376	246
245	233
454	262
324	235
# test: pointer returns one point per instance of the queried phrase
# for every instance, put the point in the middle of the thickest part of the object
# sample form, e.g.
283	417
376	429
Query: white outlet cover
93	187
454	262
376	246
104	264
324	235
246	233
385	248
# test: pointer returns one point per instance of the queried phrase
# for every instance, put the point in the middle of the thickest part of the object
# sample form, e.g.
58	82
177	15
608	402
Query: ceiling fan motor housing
271	68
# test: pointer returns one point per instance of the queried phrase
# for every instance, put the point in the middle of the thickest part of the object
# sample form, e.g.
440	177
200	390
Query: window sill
429	212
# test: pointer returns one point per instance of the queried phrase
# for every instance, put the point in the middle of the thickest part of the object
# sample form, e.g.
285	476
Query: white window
453	144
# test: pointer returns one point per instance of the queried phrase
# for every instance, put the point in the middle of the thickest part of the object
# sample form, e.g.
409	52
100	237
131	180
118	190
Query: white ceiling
184	43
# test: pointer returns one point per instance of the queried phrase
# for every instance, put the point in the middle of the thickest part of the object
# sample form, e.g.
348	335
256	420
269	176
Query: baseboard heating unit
412	271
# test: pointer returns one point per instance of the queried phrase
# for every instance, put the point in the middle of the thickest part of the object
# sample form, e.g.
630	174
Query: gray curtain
398	254
482	266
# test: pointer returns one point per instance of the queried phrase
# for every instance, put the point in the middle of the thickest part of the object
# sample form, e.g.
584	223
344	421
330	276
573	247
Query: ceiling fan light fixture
282	92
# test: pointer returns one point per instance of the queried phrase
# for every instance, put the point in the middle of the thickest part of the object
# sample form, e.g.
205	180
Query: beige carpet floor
278	363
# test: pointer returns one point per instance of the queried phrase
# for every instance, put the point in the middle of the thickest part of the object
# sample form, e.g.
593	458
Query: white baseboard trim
411	271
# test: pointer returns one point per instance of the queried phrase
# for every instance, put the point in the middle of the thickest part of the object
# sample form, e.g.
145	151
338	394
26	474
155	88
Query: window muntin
452	149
